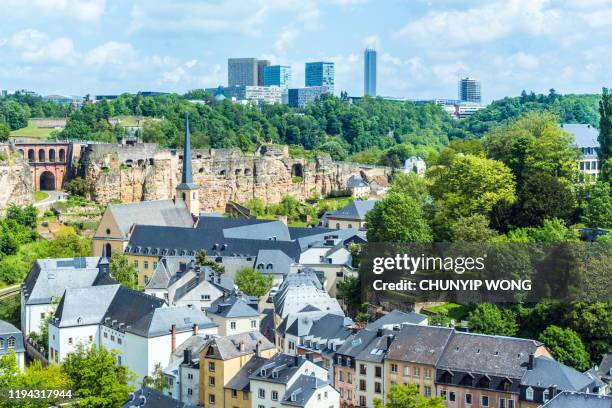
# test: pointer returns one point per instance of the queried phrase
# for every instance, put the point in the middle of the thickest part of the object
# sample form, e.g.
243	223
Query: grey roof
377	348
356	210
273	261
163	318
396	318
266	230
8	331
172	213
150	398
331	326
228	347
493	355
241	381
195	343
49	278
579	400
547	372
303	388
232	307
604	369
356	181
167	267
284	365
419	344
585	134
356	343
84	306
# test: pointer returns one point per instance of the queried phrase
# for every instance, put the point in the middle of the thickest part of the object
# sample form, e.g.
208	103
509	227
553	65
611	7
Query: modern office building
369	72
469	90
277	75
301	97
320	74
242	72
261	67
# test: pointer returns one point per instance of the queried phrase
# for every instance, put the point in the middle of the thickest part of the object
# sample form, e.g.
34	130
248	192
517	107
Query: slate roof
578	400
159	322
150	398
272	261
195	343
585	134
356	210
172	213
84	306
493	355
604	369
232	307
167	267
48	278
419	344
283	364
375	351
356	343
7	331
331	326
228	347
355	182
241	381
396	318
303	388
547	371
265	230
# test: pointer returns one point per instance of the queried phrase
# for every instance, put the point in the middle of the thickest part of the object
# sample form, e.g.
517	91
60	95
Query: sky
78	47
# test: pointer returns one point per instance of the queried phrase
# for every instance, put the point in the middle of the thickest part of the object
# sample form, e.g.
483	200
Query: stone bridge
49	162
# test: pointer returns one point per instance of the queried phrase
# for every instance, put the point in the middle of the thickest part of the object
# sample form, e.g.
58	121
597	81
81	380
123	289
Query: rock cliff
15	179
146	172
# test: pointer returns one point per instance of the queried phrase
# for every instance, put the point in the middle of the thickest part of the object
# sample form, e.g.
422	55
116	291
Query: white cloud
286	39
35	46
111	53
60	49
372	41
449	73
81	10
525	61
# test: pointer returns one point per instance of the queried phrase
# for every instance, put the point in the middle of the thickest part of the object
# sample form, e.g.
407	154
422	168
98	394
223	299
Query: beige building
233	315
351	216
222	359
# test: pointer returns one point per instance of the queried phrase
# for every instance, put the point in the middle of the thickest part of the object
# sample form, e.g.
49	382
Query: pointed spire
187	176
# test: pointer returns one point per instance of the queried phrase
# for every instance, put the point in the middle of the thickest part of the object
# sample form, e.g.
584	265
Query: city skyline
424	48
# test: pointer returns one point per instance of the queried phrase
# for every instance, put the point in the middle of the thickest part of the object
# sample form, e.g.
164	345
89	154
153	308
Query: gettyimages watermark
483	272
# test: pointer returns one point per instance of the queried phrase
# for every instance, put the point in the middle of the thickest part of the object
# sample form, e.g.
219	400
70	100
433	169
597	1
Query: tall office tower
320	74
261	67
469	90
242	71
369	72
277	75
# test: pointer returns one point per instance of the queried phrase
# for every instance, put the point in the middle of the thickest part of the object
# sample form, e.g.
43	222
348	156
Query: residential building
146	397
11	339
396	319
301	97
581	400
183	372
238	390
482	370
310	392
320	73
415	164
369	72
585	136
274	262
545	378
138	326
271	383
359	187
242	72
46	282
345	368
369	372
351	216
379	186
223	358
234	315
277	75
604	369
413	356
469	90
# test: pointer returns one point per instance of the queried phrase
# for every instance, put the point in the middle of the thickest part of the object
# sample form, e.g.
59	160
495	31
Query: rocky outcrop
146	172
15	179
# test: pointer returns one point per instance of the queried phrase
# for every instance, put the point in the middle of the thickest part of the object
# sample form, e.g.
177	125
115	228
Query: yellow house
237	393
351	216
221	360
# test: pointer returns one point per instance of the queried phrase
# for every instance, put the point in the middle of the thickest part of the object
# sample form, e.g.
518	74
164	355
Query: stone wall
146	172
15	178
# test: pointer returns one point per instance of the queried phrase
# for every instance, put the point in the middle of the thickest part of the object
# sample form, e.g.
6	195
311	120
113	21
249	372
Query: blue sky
110	46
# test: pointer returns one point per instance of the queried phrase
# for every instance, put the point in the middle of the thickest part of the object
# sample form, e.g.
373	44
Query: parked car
271	294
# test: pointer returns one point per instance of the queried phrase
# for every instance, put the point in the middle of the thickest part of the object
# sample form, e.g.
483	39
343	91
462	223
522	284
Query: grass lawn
32	130
452	310
40	195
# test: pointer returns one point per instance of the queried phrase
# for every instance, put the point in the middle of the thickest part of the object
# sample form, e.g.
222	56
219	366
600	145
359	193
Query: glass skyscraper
469	90
277	75
369	72
320	74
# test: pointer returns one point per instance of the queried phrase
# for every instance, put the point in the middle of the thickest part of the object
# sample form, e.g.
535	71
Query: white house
183	372
415	164
11	339
233	315
138	326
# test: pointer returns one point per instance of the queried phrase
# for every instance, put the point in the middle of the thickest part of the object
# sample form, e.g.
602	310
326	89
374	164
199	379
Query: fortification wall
15	178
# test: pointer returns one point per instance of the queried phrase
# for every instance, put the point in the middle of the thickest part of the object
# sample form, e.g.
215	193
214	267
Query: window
484	401
136	264
119	360
233	325
1	343
211	381
502	403
112	337
69	340
362	369
154	265
189	391
234	394
90	338
274	396
291	345
146	279
211	367
349	394
451	396
42	315
362	385
427	391
253	324
506	386
510	403
349	378
416	371
146	264
325	395
468	398
378	371
393	368
211	399
443	395
119	340
341	376
190	376
529	394
428	373
245	395
545	396
105	335
406	370
362	401
262	393
319	396
377	388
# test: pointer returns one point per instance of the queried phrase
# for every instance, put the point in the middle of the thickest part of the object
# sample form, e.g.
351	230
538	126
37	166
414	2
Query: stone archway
47	181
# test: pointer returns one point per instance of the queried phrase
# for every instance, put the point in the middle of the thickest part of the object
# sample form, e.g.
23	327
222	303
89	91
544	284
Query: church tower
187	190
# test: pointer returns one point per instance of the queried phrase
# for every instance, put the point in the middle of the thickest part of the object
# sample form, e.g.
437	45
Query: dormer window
274	374
293	397
545	396
11	342
529	394
262	372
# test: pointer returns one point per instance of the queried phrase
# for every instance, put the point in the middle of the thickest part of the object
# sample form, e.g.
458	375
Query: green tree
397	218
98	380
157	379
349	291
78	187
605	134
407	396
411	185
23	215
472	229
9	370
49	377
5	132
253	283
566	346
204	260
597	212
487	318
123	271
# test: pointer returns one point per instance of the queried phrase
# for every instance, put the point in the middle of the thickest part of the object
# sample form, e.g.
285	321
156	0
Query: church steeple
187	190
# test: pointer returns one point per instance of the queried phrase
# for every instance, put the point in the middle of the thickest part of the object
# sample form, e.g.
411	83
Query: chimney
309	356
296	360
257	349
390	339
195	329
187	356
173	338
530	363
379	333
241	346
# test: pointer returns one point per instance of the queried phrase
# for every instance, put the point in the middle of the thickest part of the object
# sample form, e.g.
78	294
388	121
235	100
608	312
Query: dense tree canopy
397	218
